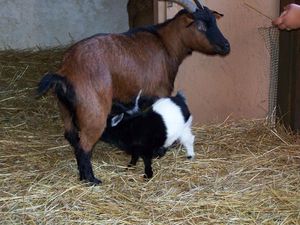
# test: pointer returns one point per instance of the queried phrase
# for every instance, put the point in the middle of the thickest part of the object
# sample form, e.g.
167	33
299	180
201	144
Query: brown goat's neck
171	37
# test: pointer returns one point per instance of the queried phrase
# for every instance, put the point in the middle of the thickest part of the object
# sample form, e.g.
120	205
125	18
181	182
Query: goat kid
148	134
107	67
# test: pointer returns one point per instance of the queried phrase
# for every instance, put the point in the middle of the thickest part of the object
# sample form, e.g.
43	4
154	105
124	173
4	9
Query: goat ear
117	119
188	20
217	15
136	107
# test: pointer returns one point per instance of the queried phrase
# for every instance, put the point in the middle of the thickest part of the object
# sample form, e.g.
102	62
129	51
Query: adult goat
107	67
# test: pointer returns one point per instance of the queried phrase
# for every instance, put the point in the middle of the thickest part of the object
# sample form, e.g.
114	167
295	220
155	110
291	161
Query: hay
244	173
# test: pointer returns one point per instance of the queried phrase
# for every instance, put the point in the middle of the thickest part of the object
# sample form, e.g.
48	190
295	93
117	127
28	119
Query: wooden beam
288	106
155	11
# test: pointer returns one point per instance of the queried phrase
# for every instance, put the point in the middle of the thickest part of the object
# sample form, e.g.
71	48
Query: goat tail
181	95
63	89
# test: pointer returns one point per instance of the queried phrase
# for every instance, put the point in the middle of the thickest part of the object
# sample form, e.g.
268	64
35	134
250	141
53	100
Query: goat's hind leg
85	166
91	121
71	131
90	132
82	157
187	140
148	166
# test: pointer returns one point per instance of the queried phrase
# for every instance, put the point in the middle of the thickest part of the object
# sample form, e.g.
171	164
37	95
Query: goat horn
199	4
187	4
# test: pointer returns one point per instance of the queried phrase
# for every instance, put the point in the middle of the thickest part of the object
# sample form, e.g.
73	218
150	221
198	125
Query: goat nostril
226	48
222	50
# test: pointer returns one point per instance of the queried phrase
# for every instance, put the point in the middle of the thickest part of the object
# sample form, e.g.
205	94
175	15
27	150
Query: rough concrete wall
46	23
236	85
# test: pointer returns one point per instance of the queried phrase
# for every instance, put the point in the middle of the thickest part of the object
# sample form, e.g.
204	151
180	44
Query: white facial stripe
201	26
117	119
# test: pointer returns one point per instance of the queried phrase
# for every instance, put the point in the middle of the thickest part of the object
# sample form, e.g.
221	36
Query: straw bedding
244	172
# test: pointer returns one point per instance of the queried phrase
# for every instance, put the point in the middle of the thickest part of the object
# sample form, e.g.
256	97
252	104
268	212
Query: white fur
187	138
177	129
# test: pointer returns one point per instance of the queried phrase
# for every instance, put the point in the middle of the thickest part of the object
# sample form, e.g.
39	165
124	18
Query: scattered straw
244	172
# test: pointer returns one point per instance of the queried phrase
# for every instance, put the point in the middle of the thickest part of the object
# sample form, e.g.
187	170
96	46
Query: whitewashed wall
47	23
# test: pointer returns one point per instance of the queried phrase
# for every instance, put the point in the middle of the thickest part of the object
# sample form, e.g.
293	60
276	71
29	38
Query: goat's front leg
160	152
134	159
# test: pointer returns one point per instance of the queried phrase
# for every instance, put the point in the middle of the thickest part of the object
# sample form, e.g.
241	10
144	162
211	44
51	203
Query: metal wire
271	38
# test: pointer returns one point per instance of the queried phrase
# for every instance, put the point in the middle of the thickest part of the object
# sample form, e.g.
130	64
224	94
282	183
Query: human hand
289	18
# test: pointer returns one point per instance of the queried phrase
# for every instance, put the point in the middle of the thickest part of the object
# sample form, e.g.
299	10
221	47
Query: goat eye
190	24
201	26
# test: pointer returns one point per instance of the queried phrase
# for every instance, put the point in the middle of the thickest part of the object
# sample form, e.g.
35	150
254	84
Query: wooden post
288	106
155	11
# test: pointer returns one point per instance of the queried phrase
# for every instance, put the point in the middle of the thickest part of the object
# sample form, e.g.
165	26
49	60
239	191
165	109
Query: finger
282	26
283	13
277	21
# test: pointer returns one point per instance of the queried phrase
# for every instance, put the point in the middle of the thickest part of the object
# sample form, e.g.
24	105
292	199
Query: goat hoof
148	176
93	182
130	167
190	157
97	181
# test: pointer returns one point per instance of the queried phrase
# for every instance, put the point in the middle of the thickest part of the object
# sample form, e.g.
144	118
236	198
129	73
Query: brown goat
107	67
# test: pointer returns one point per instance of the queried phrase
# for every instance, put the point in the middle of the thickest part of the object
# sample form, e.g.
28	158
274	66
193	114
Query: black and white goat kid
148	133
